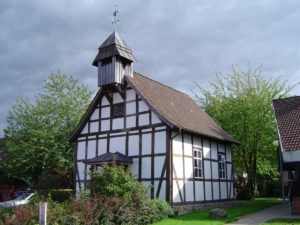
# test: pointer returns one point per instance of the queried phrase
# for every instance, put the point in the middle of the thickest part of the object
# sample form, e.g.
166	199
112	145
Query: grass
283	222
233	212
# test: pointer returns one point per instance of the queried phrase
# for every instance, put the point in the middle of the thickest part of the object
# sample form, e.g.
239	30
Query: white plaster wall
85	129
104	101
95	115
160	142
178	166
214	150
142	106
81	171
291	156
133	145
158	166
221	148
91	153
208	191
206	149
162	194
118	123
146	167
130	108
177	144
197	142
146	144
135	167
130	95
229	166
189	191
131	121
216	190
188	167
94	127
105	125
199	192
81	150
102	146
207	171
117	144
176	196
154	118
117	98
215	170
228	153
188	150
144	119
223	190
105	112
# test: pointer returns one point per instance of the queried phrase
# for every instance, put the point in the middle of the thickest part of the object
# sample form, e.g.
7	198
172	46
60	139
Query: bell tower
114	59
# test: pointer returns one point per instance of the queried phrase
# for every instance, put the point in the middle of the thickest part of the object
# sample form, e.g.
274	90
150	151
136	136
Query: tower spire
115	20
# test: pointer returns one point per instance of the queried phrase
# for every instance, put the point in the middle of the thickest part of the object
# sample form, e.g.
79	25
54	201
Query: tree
241	103
38	147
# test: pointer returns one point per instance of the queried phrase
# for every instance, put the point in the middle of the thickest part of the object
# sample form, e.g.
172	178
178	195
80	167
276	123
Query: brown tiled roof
287	112
176	108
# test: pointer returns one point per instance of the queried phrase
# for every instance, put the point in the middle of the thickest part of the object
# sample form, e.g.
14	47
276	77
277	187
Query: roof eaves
279	137
211	136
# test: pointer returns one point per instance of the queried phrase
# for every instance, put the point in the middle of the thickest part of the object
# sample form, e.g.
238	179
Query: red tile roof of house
176	108
287	112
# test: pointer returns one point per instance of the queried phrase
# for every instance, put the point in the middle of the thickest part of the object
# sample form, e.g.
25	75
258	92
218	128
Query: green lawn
283	222
202	217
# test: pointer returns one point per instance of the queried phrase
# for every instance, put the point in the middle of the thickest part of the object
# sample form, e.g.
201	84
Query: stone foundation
182	209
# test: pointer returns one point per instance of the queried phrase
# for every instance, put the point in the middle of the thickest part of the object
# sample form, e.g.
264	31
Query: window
198	163
118	110
222	166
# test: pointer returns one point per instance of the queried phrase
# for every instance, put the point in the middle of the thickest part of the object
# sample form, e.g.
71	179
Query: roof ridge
162	84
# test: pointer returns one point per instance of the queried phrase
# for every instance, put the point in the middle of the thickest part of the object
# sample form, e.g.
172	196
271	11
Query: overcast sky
175	42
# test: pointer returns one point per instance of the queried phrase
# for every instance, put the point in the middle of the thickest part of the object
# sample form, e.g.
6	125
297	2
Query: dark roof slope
109	157
113	45
176	108
287	112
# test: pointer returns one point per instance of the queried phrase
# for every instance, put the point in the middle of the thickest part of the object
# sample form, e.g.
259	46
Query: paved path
279	211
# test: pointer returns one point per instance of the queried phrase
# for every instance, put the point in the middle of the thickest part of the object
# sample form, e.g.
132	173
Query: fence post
43	213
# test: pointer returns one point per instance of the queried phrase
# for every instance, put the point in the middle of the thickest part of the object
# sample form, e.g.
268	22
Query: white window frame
198	162
222	165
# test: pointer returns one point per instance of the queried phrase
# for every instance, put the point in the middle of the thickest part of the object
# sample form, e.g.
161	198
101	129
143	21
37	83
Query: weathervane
115	21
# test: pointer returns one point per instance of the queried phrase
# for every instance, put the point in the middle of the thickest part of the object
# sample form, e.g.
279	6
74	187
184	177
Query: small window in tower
118	110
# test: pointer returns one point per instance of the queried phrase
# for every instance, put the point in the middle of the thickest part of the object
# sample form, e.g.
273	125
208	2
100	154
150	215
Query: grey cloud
175	42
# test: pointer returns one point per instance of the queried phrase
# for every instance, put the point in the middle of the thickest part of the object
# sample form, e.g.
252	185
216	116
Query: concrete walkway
279	211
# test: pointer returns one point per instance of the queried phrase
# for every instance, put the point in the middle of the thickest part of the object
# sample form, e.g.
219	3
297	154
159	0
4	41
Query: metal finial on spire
115	21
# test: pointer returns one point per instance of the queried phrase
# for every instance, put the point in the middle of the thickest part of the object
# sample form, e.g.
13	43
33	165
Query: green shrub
117	199
59	195
113	181
162	209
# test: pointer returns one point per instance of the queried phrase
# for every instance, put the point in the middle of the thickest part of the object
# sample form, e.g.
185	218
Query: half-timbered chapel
170	143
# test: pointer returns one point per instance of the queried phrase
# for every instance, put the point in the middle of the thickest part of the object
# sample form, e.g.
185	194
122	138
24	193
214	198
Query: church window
197	163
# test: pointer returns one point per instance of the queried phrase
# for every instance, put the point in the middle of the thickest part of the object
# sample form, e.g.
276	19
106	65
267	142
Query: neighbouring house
287	113
169	141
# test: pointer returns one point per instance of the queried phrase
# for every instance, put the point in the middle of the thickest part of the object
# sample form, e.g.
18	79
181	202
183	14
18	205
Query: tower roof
112	46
